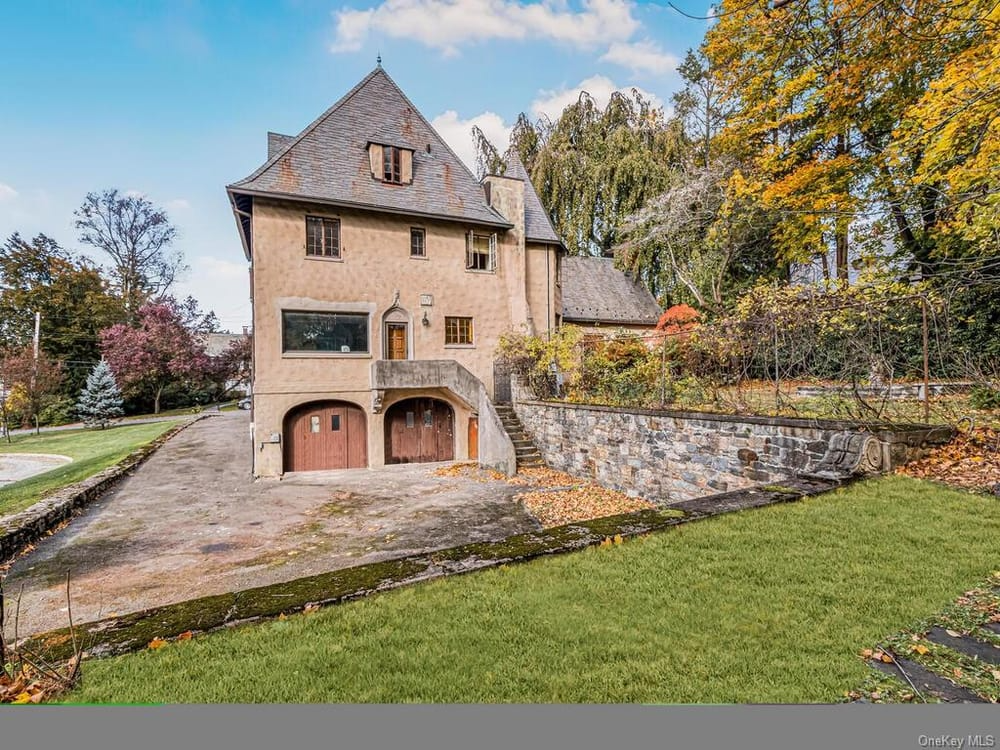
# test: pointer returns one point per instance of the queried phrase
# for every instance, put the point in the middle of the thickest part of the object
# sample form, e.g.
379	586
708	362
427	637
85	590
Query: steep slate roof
328	161
537	226
594	291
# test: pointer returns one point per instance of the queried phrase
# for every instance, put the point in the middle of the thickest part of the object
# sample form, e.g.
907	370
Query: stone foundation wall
666	456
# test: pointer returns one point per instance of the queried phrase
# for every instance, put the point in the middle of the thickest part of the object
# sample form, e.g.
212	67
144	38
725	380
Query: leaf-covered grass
770	605
91	451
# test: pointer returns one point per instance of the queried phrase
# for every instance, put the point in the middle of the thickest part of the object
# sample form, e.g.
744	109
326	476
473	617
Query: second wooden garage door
419	430
325	435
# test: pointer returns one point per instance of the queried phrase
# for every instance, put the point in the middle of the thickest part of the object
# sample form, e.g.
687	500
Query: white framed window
480	252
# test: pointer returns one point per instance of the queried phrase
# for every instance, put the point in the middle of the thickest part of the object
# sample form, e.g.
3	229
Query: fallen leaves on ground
553	497
964	618
28	684
471	471
561	498
970	461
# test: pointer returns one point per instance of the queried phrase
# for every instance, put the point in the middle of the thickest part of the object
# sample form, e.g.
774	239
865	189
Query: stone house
382	275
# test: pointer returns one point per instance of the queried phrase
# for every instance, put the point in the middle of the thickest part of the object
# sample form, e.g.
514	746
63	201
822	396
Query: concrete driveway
190	522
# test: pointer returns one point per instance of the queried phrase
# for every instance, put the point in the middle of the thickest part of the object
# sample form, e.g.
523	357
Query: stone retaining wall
666	456
18	530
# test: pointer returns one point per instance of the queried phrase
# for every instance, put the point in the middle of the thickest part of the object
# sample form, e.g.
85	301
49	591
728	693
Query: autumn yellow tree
824	92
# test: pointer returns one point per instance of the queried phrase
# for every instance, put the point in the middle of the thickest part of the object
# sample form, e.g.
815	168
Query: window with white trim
480	252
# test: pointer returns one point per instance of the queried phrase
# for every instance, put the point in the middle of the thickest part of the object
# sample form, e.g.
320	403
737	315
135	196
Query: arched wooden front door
419	430
325	435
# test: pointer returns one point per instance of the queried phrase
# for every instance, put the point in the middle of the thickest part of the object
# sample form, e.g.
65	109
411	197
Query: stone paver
190	522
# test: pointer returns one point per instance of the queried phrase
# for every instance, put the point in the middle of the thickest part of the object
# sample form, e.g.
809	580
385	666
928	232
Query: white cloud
134	194
7	192
448	24
220	285
178	204
458	133
642	56
217	269
550	104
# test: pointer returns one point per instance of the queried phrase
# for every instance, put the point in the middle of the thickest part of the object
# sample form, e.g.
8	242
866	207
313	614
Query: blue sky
173	99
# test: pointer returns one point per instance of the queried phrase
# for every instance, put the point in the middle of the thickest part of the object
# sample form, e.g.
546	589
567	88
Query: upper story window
391	164
481	252
322	237
418	247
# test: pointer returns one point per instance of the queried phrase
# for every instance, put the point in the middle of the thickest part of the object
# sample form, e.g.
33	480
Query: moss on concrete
134	631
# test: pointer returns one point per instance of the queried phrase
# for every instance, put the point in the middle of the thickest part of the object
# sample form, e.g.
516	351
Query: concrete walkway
17	466
190	522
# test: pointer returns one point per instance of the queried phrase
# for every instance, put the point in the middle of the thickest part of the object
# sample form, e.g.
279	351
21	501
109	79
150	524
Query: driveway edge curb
135	630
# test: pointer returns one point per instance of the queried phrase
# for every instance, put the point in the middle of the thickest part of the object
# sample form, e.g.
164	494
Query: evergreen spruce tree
100	401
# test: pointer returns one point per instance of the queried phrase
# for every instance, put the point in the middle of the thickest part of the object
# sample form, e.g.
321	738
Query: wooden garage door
419	430
325	435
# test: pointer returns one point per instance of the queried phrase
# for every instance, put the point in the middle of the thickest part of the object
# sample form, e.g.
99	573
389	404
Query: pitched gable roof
537	225
594	291
328	161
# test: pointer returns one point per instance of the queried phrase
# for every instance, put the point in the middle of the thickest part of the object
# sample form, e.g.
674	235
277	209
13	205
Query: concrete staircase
527	454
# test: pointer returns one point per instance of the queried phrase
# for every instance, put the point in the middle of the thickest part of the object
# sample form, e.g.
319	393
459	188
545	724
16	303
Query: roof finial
378	60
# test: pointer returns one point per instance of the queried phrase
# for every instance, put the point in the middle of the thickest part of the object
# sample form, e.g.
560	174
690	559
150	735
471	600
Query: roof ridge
376	102
316	123
443	142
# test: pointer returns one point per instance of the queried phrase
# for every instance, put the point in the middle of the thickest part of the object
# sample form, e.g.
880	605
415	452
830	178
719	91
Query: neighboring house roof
594	291
217	343
537	225
329	162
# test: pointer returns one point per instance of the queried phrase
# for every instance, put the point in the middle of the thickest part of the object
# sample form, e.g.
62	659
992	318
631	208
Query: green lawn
769	605
91	451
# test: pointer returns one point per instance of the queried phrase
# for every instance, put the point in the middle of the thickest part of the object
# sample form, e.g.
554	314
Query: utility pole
34	367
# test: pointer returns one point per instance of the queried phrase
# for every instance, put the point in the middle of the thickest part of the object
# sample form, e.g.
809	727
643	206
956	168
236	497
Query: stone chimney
506	196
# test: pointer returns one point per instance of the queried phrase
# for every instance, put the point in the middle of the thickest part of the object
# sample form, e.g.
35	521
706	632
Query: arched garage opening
325	435
419	430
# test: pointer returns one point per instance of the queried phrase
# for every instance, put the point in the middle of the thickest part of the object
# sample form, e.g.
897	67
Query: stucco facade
375	274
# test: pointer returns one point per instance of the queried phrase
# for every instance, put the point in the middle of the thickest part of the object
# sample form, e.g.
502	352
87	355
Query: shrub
985	397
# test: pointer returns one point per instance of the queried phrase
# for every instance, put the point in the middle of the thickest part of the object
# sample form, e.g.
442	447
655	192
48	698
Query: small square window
428	418
410	419
322	237
457	330
335	422
314	423
417	242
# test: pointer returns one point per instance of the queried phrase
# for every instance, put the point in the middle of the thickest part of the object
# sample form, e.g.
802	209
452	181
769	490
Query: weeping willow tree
593	167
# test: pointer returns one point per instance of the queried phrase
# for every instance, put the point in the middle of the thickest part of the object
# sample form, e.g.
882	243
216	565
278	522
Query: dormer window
392	165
